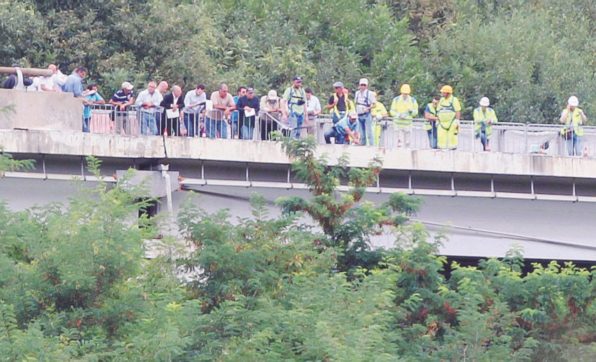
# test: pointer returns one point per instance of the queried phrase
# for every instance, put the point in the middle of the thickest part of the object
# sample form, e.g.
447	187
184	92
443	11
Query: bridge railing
507	137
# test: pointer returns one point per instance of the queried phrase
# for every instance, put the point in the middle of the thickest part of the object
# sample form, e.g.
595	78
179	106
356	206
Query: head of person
363	84
339	88
127	87
353	116
81	71
91	88
308	92
435	100
272	96
223	90
297	82
200	89
163	87
53	68
250	93
405	90
176	91
572	102
446	91
484	102
151	87
241	91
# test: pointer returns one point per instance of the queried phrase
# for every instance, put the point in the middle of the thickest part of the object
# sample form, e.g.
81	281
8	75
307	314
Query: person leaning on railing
484	118
194	104
92	97
147	101
573	118
215	119
270	114
120	100
172	104
431	116
378	112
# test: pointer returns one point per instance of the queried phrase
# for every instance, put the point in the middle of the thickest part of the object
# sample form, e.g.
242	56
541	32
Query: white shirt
192	100
313	105
363	100
146	97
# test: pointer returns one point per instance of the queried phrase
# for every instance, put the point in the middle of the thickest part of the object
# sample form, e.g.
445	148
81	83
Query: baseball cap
297	78
338	85
127	86
363	81
272	94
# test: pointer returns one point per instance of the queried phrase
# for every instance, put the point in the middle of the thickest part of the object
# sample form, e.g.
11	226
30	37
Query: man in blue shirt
344	131
240	92
74	82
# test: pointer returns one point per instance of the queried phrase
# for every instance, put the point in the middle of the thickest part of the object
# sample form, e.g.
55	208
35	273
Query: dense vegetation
528	56
74	284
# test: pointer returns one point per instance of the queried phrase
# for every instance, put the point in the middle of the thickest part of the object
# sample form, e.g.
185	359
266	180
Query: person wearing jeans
295	100
365	99
573	117
215	120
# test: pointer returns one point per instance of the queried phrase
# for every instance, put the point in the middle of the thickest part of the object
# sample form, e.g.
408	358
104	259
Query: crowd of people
356	116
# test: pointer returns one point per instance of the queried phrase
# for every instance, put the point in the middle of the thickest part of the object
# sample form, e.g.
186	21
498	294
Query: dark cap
297	78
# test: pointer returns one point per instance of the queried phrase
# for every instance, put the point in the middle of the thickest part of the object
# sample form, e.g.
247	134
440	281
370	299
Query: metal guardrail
507	137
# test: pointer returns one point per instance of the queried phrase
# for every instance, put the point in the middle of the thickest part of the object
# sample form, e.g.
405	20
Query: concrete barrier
40	110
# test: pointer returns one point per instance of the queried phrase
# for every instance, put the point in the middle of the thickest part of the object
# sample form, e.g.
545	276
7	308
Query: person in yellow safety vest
449	113
573	118
403	109
378	112
339	105
430	114
484	118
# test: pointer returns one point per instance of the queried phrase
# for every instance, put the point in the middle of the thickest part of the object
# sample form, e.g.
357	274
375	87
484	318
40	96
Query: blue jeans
432	136
213	128
247	129
365	127
86	124
191	123
296	121
336	117
149	123
339	138
483	139
572	145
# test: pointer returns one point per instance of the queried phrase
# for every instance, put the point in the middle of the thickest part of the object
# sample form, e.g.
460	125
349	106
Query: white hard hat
573	101
484	102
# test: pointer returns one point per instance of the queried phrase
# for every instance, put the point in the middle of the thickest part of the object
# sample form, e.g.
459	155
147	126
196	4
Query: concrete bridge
484	202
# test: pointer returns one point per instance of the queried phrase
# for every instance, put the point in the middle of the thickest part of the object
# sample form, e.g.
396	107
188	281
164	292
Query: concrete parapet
40	110
264	152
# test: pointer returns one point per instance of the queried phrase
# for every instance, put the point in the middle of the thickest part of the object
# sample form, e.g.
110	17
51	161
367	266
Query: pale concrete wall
40	110
103	145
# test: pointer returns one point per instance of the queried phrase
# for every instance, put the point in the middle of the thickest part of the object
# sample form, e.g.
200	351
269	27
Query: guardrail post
525	138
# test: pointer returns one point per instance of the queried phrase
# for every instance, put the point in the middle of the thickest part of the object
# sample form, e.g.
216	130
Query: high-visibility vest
573	122
446	112
428	125
350	107
403	110
481	120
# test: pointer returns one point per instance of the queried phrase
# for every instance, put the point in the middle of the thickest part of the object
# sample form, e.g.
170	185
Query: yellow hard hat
447	89
405	89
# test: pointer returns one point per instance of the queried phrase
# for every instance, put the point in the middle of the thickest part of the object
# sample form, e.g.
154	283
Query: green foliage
347	221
